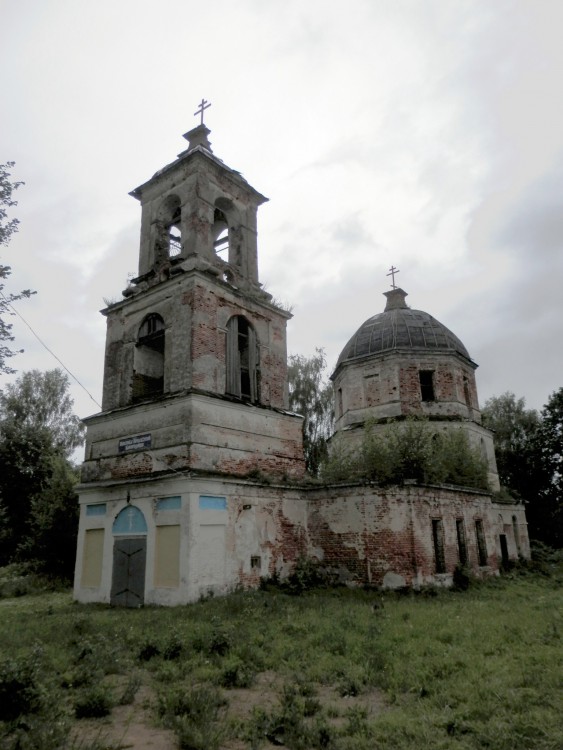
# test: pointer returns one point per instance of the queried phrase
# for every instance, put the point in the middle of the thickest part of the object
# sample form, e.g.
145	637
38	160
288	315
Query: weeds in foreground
193	713
460	670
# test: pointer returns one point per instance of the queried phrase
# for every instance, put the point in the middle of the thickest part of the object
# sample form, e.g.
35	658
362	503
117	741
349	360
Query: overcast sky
427	134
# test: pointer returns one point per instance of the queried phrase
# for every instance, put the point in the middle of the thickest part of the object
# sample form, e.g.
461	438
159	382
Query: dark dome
399	327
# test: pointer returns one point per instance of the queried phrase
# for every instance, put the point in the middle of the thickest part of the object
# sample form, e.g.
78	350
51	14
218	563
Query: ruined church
193	476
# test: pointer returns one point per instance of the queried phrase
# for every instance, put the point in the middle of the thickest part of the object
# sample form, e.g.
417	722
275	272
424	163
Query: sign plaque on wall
135	443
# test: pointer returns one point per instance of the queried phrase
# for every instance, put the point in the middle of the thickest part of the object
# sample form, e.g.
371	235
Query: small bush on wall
409	450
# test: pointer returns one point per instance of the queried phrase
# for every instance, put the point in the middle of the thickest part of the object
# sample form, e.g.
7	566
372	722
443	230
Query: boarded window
97	509
438	539
461	541
92	558
426	378
242	360
167	557
211	544
481	544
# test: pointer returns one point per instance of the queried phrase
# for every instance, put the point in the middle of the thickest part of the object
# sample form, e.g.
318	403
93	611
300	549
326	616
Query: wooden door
128	580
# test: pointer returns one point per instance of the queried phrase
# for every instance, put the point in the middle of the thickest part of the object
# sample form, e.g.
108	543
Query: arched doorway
129	558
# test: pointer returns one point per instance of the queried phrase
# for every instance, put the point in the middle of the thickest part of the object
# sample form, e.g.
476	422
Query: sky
423	134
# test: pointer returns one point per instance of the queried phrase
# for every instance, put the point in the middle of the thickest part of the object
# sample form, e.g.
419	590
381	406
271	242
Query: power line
52	353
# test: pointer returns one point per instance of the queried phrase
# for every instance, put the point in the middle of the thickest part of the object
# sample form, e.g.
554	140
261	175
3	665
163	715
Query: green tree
38	509
545	513
8	227
311	395
53	522
25	457
40	400
515	429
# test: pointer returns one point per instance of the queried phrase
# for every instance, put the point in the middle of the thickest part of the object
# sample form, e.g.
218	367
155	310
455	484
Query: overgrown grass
460	670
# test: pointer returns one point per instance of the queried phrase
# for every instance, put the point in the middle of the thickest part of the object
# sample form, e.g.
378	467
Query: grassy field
336	669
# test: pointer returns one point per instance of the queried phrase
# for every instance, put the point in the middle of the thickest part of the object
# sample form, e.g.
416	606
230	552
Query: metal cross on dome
392	272
204	104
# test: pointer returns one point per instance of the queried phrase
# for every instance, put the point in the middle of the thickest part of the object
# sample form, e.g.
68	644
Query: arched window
148	372
130	520
242	359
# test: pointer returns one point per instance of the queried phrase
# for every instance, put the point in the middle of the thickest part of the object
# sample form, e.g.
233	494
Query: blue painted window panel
169	503
96	510
208	502
130	521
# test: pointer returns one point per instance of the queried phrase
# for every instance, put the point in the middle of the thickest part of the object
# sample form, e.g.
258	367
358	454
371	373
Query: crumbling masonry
192	478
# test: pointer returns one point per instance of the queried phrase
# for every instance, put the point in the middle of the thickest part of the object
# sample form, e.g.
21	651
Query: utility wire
52	353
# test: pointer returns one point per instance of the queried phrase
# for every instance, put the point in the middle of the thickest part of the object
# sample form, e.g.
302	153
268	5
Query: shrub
290	723
20	692
235	673
172	648
193	714
307	574
463	578
216	642
408	450
199	703
93	703
149	649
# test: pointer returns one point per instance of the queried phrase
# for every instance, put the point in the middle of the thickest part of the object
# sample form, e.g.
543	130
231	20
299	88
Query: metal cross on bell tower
392	272
204	104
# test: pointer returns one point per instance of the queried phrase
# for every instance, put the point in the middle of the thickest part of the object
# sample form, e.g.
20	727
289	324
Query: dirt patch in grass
131	726
269	686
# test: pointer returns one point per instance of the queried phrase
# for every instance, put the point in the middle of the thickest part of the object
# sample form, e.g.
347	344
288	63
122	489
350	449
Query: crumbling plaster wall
364	534
384	537
259	531
195	432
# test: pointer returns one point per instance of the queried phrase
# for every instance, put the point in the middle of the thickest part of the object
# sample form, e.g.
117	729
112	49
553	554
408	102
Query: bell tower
195	374
197	213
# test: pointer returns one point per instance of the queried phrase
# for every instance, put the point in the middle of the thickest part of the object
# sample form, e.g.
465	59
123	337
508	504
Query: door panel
128	582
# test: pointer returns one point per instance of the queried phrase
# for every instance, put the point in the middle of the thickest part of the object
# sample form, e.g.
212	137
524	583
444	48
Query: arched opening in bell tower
221	234
175	233
169	229
148	367
242	360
